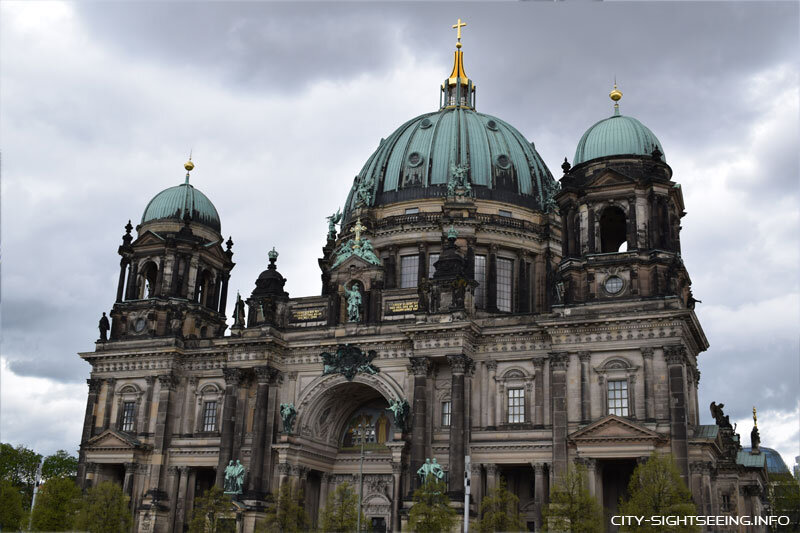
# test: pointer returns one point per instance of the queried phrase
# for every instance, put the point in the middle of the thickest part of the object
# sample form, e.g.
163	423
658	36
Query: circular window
492	125
414	159
426	123
139	325
503	161
613	285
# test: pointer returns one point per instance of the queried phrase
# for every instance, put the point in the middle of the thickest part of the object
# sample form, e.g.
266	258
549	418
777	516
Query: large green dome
616	135
172	203
417	160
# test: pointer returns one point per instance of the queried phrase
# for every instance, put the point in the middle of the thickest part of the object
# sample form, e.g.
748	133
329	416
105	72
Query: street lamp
363	429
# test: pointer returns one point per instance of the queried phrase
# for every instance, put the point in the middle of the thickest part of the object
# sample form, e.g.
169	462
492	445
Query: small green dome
616	135
172	203
417	160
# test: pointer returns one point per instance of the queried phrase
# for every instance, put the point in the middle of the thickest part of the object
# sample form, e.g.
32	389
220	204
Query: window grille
128	416
618	397
504	269
210	416
409	270
516	406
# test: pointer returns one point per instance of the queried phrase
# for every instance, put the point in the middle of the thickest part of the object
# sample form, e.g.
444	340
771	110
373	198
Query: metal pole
467	474
36	481
361	476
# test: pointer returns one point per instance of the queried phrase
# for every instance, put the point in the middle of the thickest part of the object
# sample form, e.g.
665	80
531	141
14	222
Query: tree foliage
784	500
656	489
209	511
287	514
57	505
572	507
500	511
431	512
18	466
60	464
341	511
104	510
10	506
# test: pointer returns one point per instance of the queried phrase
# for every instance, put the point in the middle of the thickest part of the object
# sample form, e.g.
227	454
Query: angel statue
332	221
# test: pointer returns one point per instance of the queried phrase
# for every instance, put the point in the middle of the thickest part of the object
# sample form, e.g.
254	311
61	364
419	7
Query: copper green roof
746	459
417	159
706	431
616	135
172	203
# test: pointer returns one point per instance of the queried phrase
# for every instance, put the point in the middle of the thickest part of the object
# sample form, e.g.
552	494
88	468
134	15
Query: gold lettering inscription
405	306
307	314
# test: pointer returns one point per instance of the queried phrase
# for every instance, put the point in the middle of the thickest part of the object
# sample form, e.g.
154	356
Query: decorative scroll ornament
348	361
400	409
288	416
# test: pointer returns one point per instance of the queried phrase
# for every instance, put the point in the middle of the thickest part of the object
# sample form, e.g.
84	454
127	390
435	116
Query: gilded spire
616	96
755	419
458	75
458	90
189	166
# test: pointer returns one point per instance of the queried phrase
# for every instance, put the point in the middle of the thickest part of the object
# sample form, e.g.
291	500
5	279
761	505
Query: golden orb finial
615	94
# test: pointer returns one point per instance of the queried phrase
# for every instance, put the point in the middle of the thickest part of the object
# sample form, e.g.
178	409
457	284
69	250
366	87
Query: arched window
204	288
613	229
149	275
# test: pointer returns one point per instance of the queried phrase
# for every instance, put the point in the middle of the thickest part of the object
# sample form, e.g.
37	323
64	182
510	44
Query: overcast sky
282	104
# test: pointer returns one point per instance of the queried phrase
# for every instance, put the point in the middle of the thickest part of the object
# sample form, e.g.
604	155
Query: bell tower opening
613	230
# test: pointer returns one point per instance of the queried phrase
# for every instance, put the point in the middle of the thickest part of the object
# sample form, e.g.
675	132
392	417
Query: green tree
287	515
572	507
209	511
656	489
60	464
341	511
500	511
104	510
57	505
18	466
431	512
784	500
10	506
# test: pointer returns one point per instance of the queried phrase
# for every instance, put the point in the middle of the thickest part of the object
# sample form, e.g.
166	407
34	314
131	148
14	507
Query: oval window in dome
503	161
492	125
613	284
426	123
414	159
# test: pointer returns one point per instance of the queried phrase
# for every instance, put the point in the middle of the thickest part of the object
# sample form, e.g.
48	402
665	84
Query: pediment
357	261
609	178
613	428
148	237
113	440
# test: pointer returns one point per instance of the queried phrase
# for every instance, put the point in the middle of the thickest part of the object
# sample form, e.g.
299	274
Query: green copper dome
616	135
418	159
172	203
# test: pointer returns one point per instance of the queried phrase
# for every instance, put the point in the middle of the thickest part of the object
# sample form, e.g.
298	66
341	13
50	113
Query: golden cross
357	229
458	27
755	420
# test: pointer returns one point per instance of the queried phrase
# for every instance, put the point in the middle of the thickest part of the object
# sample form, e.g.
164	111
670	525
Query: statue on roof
720	418
458	184
104	327
332	221
353	296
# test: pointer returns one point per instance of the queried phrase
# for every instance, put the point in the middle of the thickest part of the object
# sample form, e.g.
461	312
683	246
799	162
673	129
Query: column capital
558	361
458	363
151	380
110	381
168	381
491	364
284	469
491	469
647	352
538	363
94	385
233	376
538	468
173	470
584	356
475	469
397	467
130	467
589	462
265	374
420	366
675	354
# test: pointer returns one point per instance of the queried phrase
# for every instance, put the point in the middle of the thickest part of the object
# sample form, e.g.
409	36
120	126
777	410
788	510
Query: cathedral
473	310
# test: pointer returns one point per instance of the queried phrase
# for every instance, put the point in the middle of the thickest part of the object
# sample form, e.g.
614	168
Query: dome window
415	159
503	161
492	125
613	285
425	124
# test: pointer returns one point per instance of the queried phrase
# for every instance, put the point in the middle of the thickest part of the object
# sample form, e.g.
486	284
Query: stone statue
353	303
458	184
332	221
720	418
234	478
424	471
429	468
104	327
288	415
364	191
368	252
399	409
755	439
238	312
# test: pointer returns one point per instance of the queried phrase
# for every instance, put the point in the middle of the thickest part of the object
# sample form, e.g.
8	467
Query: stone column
538	493
127	484
284	469
180	503
538	392
632	412
590	228
476	485
633	231
675	357
167	383
263	375
159	277
174	481
110	384
420	366
586	398
458	364
492	473
144	428
130	292
558	393
324	480
189	406
397	468
232	378
491	366
476	396
649	395
123	265
88	425
223	299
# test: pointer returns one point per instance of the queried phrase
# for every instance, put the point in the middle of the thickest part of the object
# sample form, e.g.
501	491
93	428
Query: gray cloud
283	103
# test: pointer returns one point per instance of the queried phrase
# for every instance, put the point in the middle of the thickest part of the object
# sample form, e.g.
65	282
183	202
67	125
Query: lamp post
363	428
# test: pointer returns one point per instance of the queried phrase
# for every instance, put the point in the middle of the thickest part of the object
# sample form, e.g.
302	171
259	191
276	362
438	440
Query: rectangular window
504	213
516	406
128	415
412	210
409	270
432	258
480	277
210	416
726	503
618	397
446	414
504	272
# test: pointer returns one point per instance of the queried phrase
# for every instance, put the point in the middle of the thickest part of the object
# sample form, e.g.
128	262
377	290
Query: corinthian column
263	375
491	365
420	366
558	393
232	378
458	364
